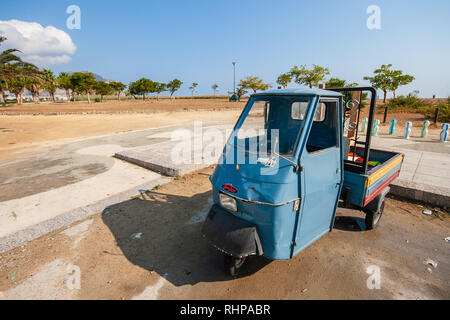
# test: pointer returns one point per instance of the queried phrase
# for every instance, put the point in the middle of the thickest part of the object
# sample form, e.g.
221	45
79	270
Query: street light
234	77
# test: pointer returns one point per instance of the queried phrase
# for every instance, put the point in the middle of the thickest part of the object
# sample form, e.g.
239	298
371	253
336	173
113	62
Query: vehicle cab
278	182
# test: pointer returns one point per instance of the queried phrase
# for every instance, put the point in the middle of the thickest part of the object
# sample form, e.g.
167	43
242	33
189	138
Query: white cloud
39	45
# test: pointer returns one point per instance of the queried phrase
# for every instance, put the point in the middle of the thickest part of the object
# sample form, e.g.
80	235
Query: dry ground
170	260
114	106
47	123
24	132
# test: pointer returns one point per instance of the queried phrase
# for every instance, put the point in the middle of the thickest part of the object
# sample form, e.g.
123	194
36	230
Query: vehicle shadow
349	223
162	233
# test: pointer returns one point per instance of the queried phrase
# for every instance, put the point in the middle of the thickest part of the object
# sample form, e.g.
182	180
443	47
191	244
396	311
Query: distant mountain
97	76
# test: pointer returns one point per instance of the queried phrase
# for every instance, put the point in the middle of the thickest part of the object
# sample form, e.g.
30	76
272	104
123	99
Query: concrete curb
22	237
421	192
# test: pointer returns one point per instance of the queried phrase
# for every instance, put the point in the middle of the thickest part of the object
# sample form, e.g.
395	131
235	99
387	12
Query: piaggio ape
293	154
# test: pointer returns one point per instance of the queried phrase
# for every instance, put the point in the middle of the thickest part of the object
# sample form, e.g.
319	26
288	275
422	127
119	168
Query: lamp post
234	77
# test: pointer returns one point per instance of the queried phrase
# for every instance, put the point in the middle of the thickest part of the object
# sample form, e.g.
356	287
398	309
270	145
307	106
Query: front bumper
231	235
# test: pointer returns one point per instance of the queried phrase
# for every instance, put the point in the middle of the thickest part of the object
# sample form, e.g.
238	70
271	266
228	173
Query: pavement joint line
417	167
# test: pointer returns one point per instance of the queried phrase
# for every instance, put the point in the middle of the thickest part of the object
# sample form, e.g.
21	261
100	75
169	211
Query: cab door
321	174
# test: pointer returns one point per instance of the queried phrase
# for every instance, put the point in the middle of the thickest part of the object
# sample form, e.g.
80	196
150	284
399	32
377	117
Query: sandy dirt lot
115	106
150	247
24	132
27	131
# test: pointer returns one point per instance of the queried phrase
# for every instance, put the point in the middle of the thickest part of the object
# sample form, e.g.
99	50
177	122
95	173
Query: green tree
50	83
339	83
134	89
399	79
310	77
174	85
83	83
118	87
284	79
382	79
8	63
33	84
16	85
386	79
64	82
214	87
142	87
253	83
160	87
240	92
193	87
103	89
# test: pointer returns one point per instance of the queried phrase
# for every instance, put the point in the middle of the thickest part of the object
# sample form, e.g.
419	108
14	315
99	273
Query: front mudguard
231	235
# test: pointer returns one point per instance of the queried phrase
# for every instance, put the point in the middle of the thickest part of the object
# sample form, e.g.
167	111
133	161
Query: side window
324	131
298	110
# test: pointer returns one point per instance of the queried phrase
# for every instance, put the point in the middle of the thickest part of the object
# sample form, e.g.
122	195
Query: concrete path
48	188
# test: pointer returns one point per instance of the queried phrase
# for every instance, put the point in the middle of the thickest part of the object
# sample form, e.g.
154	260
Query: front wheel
233	265
373	217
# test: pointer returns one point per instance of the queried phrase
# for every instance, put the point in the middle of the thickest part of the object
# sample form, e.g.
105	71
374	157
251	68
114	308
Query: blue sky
197	40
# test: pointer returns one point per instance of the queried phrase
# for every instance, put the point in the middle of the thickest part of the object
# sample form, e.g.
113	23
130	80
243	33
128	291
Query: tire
373	217
233	265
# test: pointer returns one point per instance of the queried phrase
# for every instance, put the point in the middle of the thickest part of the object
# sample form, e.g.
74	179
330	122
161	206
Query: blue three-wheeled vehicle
293	154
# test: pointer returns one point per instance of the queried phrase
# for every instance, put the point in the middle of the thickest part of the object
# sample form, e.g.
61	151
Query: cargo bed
360	189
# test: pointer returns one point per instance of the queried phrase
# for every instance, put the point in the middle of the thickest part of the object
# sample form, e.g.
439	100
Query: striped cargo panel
380	179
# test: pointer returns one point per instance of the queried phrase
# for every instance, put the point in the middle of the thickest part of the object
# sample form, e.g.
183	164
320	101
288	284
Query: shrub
410	103
97	100
444	111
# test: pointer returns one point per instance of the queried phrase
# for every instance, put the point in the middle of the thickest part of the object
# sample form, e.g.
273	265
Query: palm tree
193	87
214	87
50	83
64	82
16	73
34	81
6	70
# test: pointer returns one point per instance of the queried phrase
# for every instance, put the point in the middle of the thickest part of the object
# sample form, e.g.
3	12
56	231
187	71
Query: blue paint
392	127
444	132
408	129
292	203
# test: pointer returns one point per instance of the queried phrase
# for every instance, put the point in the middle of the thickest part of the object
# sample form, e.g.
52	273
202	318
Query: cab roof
302	91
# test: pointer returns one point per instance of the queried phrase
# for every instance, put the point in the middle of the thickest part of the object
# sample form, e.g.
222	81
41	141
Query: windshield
271	125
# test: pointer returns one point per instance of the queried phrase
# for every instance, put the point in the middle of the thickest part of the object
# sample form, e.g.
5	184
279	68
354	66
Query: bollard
408	129
392	127
444	132
375	128
425	126
364	128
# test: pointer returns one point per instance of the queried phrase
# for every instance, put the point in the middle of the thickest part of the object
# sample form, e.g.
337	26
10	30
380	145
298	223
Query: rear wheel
373	217
233	265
